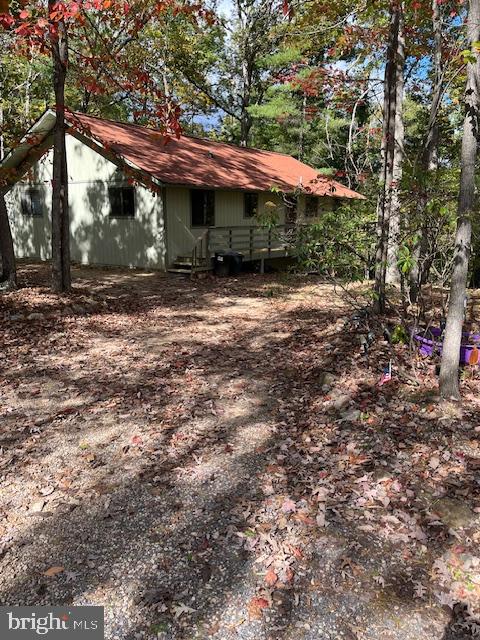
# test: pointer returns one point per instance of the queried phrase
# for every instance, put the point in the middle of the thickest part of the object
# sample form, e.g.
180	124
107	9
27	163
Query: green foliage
400	335
269	215
309	86
406	260
468	56
25	91
341	243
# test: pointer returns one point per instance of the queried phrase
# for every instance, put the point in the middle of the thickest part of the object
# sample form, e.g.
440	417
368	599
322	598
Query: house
140	202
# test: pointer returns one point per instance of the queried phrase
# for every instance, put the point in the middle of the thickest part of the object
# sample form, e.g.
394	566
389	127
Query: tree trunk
9	269
423	253
388	155
245	117
449	384
392	275
61	280
245	127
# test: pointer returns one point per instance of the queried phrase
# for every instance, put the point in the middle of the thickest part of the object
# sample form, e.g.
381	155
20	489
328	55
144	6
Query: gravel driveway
212	459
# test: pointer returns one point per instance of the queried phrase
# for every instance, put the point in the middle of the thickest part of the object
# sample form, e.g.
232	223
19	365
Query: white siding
96	238
31	236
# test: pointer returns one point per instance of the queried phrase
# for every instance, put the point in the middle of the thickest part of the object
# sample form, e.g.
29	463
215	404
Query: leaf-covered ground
214	459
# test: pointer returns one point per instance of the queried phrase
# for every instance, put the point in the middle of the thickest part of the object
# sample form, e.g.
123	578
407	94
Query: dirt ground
215	459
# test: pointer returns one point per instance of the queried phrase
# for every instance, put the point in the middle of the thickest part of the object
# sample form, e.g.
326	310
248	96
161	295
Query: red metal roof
198	162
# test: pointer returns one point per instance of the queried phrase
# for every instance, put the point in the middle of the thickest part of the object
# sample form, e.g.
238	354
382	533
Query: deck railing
252	242
201	252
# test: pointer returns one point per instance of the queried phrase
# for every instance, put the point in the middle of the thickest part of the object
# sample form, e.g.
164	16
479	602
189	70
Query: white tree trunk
392	273
449	384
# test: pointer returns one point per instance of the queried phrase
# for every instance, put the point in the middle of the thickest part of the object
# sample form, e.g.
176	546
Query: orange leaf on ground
53	571
302	517
255	607
271	577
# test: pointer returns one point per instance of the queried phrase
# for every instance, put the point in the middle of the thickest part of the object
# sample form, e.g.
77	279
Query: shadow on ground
173	456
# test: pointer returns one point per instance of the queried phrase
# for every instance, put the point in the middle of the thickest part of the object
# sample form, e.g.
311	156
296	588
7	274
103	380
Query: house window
32	203
122	201
311	206
203	207
250	205
290	210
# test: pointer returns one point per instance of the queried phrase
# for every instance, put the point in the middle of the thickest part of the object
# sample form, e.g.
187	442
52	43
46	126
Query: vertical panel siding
326	204
31	235
96	238
180	237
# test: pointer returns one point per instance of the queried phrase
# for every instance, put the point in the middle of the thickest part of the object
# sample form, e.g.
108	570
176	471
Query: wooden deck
254	243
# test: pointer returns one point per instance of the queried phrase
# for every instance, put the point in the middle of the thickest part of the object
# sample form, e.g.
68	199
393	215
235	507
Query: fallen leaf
288	506
46	491
213	629
255	607
289	575
53	571
302	517
37	507
271	577
180	609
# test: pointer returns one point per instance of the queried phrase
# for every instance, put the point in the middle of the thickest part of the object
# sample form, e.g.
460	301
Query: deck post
262	265
207	247
230	238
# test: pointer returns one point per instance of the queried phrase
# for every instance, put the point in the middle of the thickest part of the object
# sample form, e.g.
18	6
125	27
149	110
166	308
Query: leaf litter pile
215	459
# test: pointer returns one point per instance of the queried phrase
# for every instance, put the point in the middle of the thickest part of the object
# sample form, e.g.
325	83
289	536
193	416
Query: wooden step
178	270
182	263
175	269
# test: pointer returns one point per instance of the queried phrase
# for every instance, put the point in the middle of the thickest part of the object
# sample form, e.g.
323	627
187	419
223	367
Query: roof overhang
34	139
38	140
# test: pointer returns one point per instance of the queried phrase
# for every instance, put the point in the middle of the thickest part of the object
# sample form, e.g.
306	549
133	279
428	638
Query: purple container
427	346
